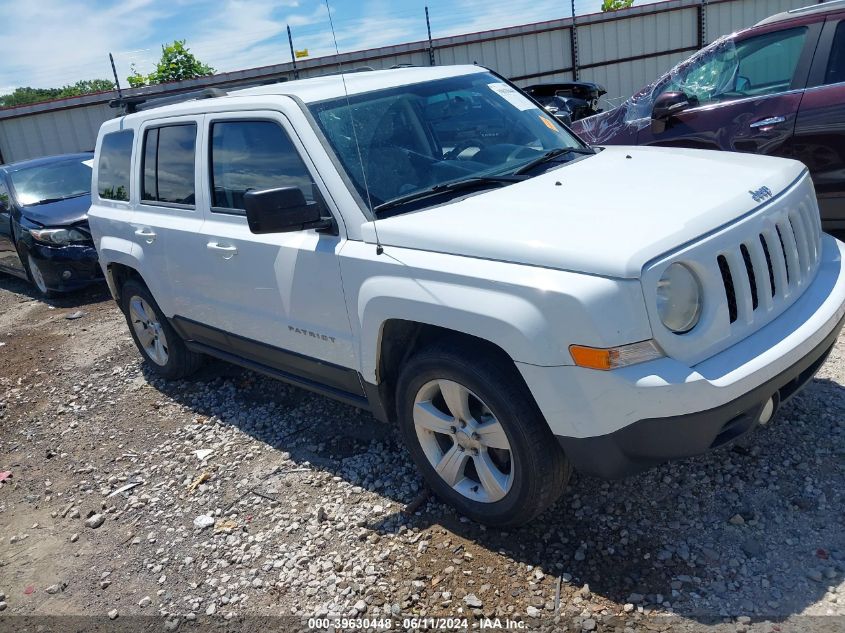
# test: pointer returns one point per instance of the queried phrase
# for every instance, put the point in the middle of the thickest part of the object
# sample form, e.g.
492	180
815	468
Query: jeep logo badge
763	193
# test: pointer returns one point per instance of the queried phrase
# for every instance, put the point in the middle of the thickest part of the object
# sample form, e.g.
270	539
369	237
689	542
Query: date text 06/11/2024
443	624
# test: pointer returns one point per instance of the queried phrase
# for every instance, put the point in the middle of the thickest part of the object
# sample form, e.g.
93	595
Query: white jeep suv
429	244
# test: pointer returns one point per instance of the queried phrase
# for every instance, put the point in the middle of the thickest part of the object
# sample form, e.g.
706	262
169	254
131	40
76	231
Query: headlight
59	236
679	298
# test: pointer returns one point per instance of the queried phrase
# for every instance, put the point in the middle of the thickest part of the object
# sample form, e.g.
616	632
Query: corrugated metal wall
624	51
727	17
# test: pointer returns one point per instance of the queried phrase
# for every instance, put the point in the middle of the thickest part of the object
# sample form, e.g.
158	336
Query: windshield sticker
549	124
512	96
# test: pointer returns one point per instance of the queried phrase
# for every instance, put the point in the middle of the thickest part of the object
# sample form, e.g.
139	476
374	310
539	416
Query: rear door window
168	169
836	63
5	201
113	168
253	155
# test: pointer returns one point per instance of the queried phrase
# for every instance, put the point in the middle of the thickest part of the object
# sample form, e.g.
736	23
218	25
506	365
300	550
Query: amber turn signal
606	358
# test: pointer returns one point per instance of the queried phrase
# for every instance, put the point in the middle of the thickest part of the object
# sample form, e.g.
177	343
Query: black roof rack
144	102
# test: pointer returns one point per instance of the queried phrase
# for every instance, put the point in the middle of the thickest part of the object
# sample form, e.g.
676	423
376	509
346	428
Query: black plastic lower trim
652	441
328	379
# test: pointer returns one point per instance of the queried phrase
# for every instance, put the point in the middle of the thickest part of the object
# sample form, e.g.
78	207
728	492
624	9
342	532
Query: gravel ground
230	495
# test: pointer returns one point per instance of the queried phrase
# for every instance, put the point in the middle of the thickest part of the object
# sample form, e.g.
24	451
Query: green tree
176	63
27	95
615	5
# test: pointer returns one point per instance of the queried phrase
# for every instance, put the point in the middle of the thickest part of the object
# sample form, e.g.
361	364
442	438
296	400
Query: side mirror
665	107
283	210
668	105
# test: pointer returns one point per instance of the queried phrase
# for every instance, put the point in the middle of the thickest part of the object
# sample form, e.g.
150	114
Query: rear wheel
476	434
163	349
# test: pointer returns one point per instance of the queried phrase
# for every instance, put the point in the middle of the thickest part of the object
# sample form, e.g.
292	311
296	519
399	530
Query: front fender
532	313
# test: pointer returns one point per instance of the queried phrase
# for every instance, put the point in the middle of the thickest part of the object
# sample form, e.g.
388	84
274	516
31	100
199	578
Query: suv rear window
168	164
113	168
247	155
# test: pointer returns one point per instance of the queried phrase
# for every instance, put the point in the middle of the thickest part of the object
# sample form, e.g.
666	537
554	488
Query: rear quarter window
113	168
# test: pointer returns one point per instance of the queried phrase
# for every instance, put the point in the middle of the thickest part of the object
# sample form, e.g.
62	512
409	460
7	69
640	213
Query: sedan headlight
679	298
59	236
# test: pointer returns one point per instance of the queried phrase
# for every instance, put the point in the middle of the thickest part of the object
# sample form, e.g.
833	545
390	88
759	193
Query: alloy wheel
147	328
36	274
463	441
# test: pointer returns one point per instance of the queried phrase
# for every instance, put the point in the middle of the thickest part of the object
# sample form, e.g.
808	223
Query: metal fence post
292	55
430	45
573	42
702	24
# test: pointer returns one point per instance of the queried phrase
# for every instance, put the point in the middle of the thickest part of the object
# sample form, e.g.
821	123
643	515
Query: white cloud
57	42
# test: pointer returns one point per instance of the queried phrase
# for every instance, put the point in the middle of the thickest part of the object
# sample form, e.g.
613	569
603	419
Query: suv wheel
159	344
476	434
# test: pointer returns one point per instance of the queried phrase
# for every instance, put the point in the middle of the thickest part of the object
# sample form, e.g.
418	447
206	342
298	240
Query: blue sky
57	42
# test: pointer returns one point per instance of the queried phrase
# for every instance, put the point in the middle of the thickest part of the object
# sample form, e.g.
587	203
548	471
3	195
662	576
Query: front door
9	260
277	299
744	93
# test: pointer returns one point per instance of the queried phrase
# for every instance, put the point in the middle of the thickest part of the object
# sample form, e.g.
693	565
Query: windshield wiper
550	155
455	185
50	200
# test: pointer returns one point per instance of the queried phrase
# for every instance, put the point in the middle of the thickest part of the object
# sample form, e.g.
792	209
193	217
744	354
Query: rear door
9	259
167	216
819	140
746	93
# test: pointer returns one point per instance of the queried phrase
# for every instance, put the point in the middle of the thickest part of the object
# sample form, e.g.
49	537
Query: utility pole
430	46
292	55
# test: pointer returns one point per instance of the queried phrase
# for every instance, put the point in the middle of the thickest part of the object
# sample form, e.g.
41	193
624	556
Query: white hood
610	215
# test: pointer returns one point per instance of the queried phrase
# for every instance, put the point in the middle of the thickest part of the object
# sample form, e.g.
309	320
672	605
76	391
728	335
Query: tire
36	278
162	348
515	485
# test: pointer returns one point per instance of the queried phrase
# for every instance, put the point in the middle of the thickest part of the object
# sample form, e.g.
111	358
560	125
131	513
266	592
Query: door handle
226	250
145	233
773	120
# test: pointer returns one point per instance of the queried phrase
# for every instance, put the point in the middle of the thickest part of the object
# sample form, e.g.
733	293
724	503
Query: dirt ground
297	506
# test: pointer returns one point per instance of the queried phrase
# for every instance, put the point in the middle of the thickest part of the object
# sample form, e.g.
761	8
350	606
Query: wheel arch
399	339
117	274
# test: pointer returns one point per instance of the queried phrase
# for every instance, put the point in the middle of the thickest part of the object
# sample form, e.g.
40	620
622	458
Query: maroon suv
776	88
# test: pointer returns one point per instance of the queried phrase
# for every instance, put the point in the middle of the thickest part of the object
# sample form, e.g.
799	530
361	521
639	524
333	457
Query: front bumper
616	423
66	268
652	441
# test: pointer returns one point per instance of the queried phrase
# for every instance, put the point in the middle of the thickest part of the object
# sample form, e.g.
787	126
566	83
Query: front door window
730	70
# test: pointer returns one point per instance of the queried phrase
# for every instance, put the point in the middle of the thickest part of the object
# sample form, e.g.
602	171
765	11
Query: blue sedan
44	234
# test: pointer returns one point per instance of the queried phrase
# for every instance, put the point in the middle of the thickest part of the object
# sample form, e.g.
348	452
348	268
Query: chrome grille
771	265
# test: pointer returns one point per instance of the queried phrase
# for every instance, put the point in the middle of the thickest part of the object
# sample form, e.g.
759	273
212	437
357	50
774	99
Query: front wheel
163	349
476	434
37	277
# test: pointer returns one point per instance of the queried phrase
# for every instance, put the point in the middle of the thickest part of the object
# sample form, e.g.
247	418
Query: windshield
52	182
417	137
